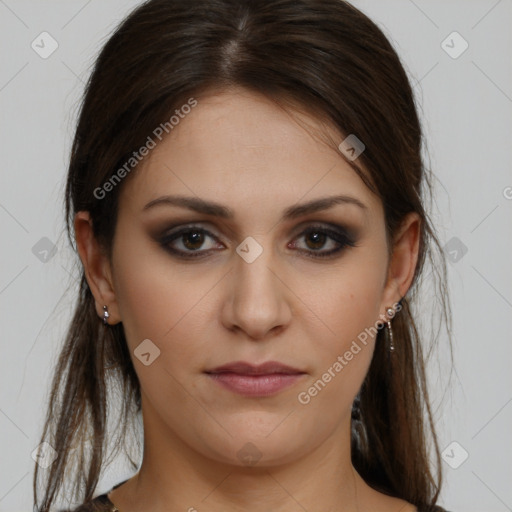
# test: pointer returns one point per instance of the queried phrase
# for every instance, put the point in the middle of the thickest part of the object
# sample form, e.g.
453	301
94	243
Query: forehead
240	148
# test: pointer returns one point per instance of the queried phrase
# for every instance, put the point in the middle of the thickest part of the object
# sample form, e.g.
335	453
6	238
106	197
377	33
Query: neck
173	476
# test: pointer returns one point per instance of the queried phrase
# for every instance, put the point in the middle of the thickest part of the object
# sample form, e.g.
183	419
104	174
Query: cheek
346	306
151	296
157	308
347	299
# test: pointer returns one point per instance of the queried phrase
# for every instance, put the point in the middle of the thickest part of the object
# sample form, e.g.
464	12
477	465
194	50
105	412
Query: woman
246	195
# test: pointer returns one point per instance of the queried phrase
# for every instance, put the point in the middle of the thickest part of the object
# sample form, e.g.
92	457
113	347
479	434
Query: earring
390	312
356	410
105	315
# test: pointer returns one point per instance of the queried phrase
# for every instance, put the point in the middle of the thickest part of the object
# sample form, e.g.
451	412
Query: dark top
103	504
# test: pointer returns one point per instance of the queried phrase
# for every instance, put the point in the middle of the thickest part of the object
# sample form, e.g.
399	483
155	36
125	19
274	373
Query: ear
96	266
403	261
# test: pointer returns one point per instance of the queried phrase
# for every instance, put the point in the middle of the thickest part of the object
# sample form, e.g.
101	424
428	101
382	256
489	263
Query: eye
189	241
318	237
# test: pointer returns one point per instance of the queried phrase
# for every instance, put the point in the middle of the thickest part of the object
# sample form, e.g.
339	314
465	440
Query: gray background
466	107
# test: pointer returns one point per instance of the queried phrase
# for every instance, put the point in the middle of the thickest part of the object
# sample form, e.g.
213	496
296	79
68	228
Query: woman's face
253	278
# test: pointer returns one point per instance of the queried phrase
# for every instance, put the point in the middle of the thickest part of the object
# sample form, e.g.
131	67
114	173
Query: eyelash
337	234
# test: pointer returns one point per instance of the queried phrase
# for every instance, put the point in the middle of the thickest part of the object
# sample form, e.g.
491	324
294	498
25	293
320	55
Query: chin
258	446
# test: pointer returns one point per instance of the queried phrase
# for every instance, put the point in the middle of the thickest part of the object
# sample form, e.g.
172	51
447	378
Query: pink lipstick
255	380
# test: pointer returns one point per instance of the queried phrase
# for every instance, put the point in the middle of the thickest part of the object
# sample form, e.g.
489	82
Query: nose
259	301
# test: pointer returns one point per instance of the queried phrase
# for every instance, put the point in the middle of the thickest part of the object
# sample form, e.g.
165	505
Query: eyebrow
218	210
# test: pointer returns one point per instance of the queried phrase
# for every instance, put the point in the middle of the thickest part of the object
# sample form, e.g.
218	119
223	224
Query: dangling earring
390	312
106	315
356	409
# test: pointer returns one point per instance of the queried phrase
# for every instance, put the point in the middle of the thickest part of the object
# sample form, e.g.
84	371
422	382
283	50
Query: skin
242	150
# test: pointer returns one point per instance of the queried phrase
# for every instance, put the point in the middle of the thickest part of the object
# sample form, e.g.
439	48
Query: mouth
255	380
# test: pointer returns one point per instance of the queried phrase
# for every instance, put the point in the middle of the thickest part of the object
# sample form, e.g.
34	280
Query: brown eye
188	242
318	237
317	240
193	240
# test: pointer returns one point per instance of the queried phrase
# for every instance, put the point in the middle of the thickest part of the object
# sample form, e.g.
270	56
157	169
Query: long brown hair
324	56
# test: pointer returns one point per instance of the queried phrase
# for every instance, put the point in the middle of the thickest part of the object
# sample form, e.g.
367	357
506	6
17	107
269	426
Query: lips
243	368
255	380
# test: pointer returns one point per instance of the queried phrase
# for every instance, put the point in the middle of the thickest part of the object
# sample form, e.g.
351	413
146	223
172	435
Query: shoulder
433	508
99	504
380	500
